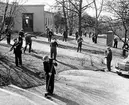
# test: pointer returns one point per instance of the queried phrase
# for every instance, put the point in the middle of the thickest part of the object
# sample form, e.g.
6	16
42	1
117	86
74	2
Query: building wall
38	17
41	18
49	20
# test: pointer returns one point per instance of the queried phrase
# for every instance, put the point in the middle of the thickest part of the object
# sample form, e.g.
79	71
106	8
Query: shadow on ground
65	100
71	47
24	76
124	75
73	67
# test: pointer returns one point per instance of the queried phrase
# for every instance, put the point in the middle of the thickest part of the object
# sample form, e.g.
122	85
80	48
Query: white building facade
32	18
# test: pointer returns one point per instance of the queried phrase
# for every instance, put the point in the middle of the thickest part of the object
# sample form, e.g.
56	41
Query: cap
45	58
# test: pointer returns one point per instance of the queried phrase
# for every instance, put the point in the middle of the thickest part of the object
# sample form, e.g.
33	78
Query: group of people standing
18	46
48	63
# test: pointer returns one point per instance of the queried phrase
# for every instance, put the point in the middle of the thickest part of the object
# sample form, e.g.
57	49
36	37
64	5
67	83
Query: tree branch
86	6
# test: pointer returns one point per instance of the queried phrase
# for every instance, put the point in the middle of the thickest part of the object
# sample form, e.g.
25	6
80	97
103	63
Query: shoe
46	94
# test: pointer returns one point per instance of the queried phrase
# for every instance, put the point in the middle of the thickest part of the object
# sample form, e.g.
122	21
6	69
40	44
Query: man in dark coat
20	39
79	42
50	74
125	49
17	51
76	34
28	41
53	51
65	36
8	35
115	42
109	58
50	34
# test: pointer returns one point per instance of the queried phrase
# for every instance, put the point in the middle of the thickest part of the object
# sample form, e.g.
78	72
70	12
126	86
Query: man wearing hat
50	74
109	58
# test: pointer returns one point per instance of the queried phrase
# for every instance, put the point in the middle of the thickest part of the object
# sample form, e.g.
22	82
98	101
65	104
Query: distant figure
47	31
79	42
93	37
85	34
65	36
115	42
28	41
17	51
20	39
50	34
50	74
125	49
90	34
8	35
53	51
76	35
109	58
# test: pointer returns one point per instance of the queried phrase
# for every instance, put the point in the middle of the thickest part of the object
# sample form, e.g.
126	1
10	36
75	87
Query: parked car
123	66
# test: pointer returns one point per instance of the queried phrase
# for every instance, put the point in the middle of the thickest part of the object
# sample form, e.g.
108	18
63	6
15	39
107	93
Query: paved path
86	87
13	95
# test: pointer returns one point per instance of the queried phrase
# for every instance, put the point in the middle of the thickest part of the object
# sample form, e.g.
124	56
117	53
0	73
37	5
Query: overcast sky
40	1
48	4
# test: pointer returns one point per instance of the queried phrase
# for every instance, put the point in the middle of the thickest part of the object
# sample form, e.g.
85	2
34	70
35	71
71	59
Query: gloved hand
50	74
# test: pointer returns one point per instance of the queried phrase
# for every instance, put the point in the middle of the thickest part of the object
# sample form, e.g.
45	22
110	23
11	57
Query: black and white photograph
64	52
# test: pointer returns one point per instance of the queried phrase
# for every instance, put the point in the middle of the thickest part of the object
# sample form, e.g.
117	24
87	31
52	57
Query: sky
47	3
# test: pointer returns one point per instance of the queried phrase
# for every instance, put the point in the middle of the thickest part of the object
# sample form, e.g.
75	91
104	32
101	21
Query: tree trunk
65	18
96	22
80	18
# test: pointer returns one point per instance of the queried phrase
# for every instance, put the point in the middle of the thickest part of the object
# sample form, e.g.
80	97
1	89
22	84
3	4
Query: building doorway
27	22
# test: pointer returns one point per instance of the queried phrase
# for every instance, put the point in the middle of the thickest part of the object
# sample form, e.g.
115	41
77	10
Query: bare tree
9	12
98	7
120	11
77	7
